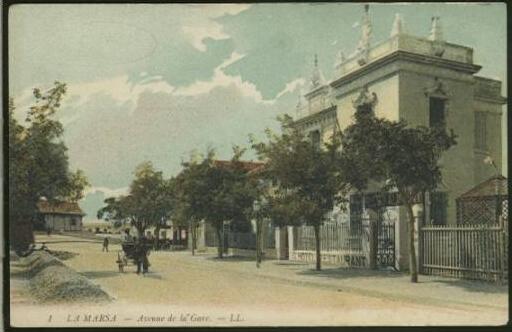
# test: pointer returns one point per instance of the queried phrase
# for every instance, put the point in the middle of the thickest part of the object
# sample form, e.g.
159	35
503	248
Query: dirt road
195	291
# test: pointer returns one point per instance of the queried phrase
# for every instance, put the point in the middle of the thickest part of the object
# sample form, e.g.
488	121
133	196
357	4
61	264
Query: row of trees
299	184
202	191
38	164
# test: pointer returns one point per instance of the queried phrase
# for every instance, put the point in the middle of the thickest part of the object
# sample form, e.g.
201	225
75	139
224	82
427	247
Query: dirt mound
38	261
51	281
62	255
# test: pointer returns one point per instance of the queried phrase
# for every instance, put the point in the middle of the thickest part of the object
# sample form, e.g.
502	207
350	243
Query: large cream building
423	80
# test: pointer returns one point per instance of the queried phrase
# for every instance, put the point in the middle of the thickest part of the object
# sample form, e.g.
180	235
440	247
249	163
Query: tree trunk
220	244
21	235
412	249
157	237
317	247
258	243
193	237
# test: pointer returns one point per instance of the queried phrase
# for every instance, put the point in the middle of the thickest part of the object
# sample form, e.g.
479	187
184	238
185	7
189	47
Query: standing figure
105	244
141	255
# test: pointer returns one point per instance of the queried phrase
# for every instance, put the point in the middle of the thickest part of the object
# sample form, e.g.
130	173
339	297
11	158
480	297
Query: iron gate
386	243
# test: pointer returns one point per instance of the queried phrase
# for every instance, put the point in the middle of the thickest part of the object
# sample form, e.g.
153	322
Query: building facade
425	81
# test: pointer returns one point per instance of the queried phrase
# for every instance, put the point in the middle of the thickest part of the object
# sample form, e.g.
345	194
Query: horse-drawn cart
129	254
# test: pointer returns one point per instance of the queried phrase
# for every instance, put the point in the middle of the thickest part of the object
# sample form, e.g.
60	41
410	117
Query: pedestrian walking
141	255
105	244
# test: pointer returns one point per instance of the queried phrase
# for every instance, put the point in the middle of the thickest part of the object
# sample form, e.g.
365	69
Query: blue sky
154	82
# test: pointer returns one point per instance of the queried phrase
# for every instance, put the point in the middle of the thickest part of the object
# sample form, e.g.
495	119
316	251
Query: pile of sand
62	255
51	281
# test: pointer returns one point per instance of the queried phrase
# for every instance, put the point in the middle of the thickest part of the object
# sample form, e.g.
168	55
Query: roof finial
397	26
366	34
316	78
299	101
436	32
340	59
366	29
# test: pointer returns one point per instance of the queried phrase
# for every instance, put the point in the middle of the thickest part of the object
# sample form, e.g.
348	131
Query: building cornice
495	100
405	56
325	114
317	91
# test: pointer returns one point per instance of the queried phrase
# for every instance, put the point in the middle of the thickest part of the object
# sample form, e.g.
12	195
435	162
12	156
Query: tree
403	158
38	163
149	201
305	174
191	201
77	184
216	192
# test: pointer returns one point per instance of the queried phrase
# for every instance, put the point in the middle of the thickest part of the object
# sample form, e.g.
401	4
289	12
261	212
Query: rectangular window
437	112
438	208
480	130
315	138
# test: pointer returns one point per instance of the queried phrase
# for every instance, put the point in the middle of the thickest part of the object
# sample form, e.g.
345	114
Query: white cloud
119	88
355	25
108	192
220	79
197	33
202	25
291	87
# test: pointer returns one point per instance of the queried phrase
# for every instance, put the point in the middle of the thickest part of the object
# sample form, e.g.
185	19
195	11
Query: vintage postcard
256	164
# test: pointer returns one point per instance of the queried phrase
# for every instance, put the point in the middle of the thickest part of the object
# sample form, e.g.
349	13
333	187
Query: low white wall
328	257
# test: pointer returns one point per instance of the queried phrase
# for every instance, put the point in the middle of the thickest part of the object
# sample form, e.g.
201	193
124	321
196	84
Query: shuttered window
481	130
437	111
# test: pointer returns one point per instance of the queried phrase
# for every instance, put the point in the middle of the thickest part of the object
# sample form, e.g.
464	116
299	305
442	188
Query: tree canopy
215	192
38	162
400	157
149	202
305	174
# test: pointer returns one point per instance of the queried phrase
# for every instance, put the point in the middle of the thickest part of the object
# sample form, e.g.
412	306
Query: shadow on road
474	285
153	275
232	259
346	273
100	274
291	263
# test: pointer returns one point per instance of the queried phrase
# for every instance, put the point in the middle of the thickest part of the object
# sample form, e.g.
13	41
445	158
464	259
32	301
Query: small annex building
59	216
485	203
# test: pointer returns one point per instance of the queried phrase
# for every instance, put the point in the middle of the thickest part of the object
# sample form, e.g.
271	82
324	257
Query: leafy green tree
78	182
191	201
215	192
38	163
403	158
149	202
305	174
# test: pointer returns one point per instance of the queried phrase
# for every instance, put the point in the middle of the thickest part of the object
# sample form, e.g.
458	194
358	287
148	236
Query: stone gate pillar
365	236
281	234
291	242
373	237
418	211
